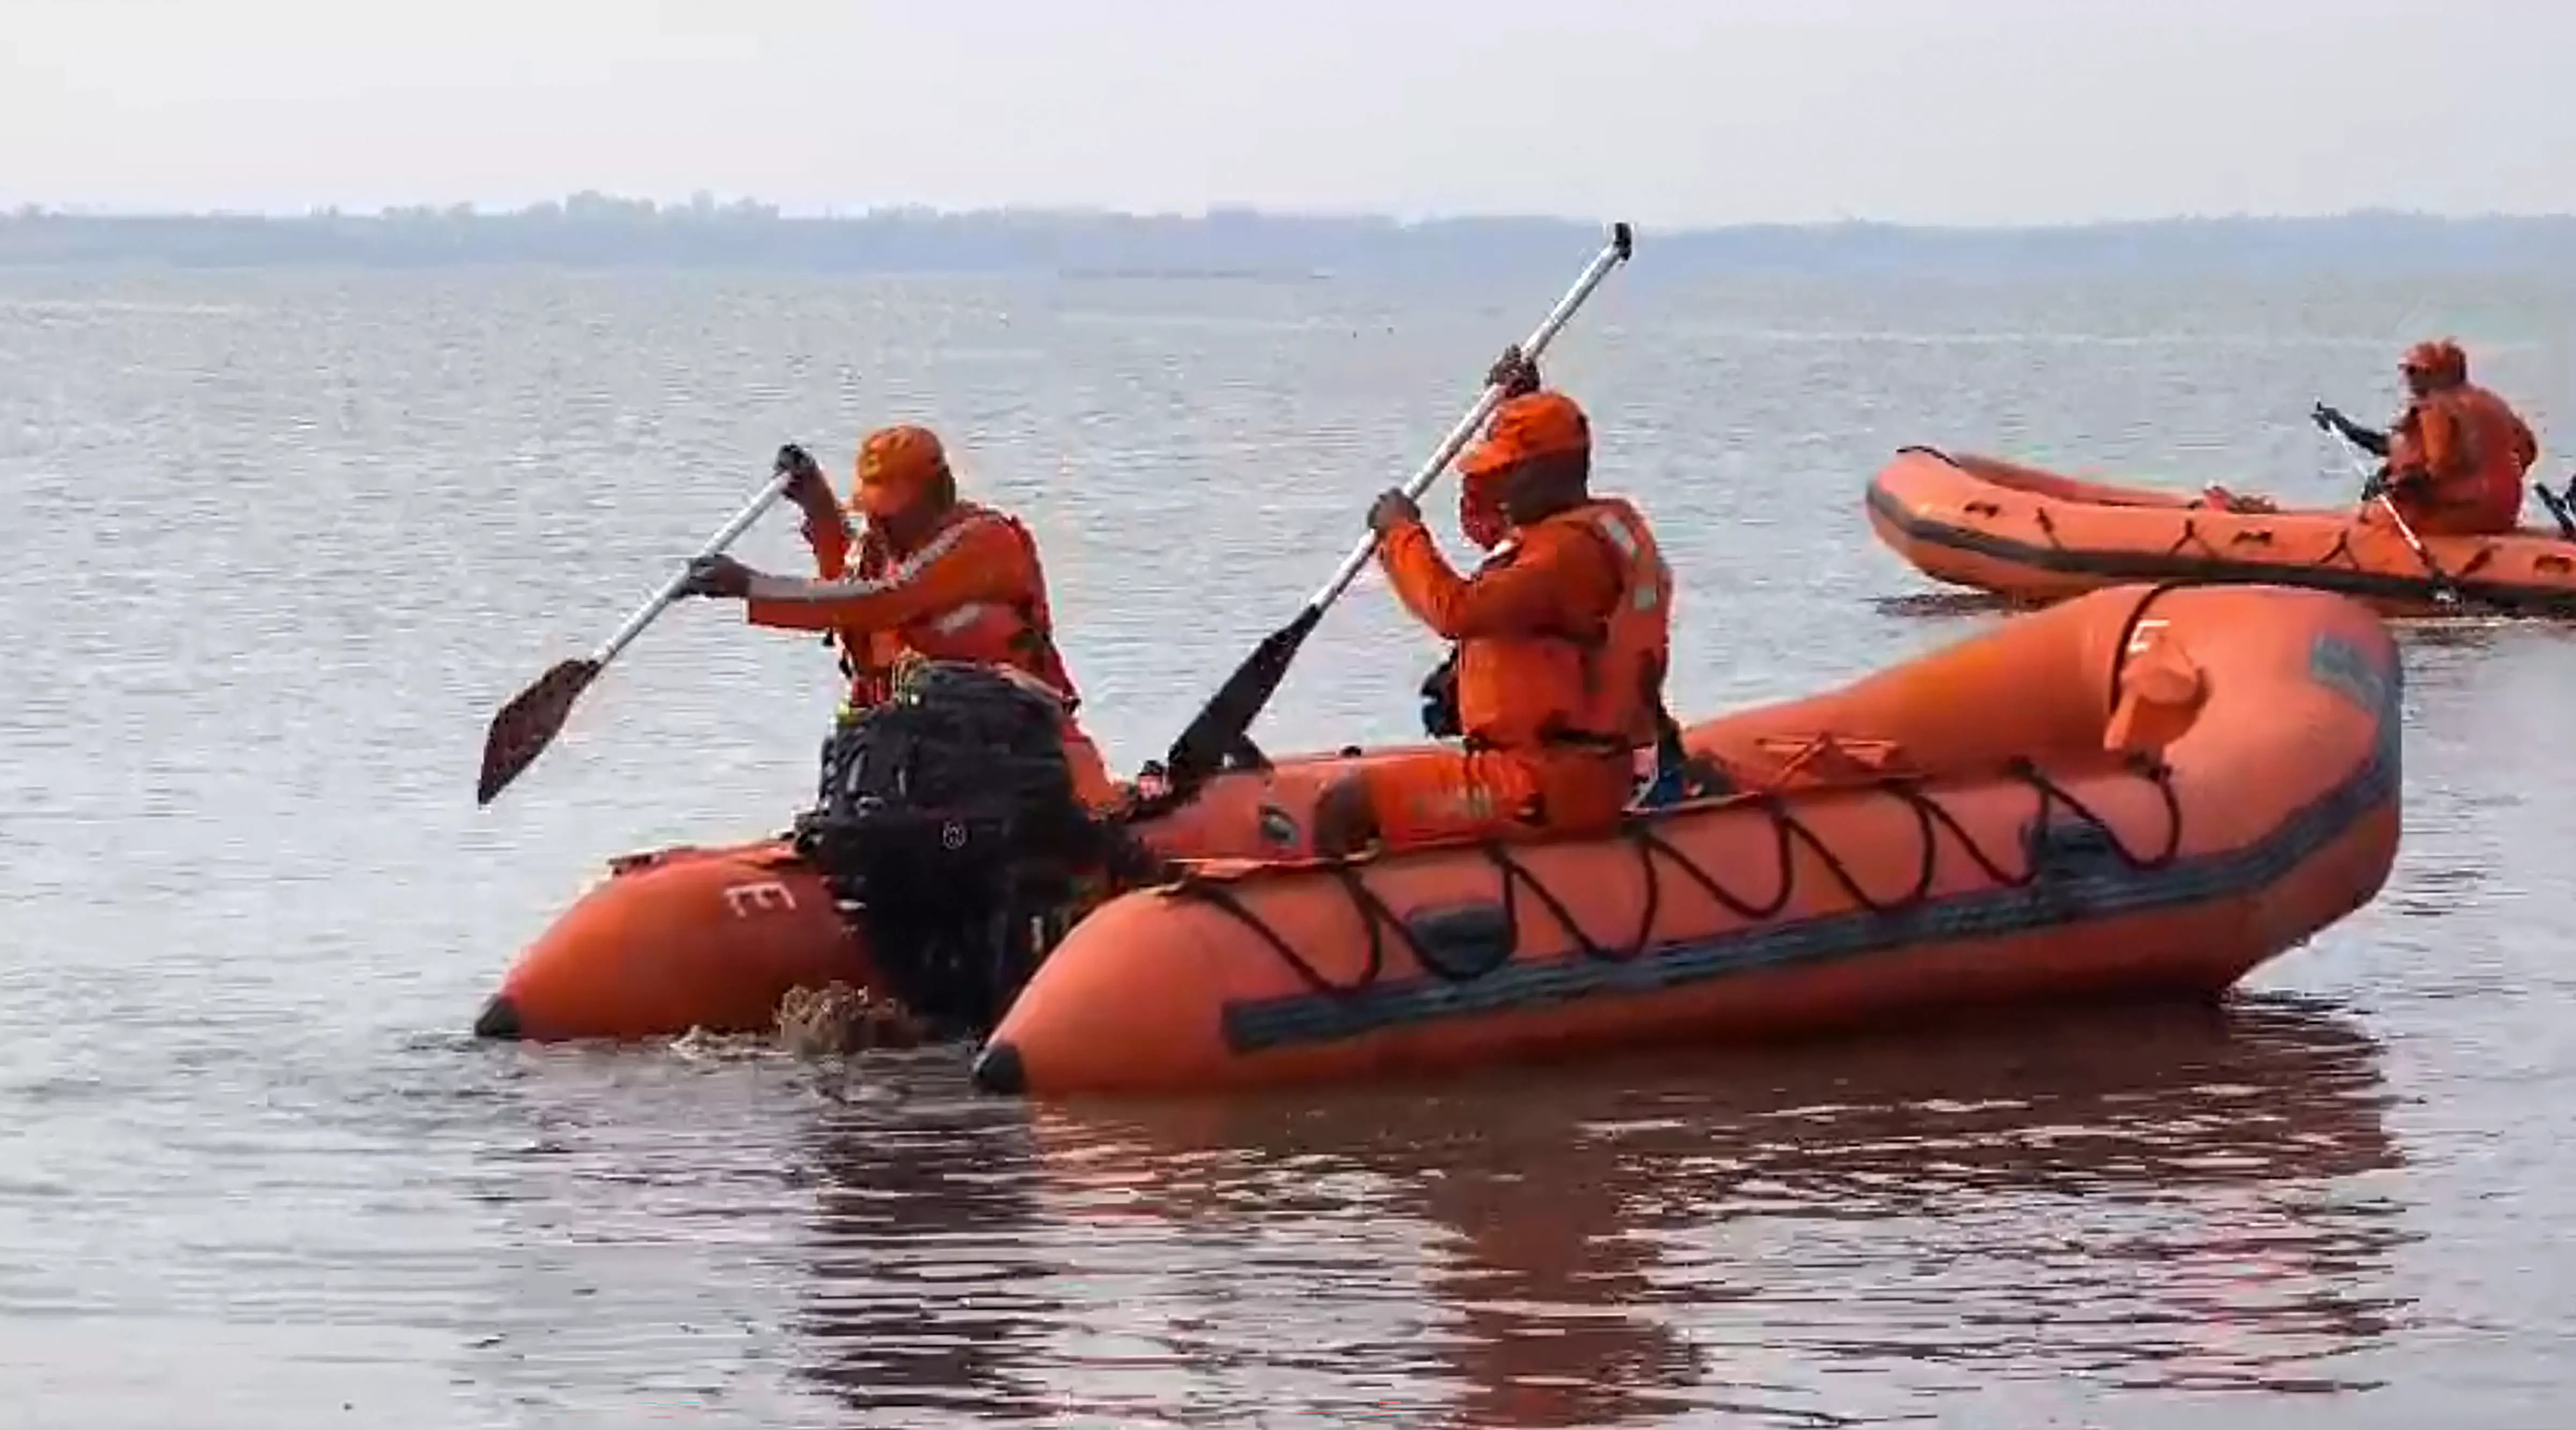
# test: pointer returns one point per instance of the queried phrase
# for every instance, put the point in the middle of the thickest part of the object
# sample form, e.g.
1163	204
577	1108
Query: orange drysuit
969	588
2457	458
1562	639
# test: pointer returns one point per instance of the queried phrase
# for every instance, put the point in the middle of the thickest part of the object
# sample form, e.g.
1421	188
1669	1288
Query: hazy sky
1662	111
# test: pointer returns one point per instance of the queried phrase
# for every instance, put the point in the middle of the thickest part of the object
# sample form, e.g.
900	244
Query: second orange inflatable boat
713	937
2143	791
2034	536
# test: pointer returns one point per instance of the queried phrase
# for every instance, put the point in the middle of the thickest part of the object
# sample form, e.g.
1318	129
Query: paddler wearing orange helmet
2456	456
935	577
1562	636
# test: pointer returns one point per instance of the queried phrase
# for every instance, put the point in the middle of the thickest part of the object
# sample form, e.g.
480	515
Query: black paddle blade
2558	507
529	723
1226	720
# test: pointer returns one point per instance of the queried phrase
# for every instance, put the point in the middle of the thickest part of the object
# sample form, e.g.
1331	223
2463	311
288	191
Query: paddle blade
529	723
1225	721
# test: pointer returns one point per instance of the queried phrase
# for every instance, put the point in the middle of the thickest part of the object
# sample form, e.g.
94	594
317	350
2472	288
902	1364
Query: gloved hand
1391	510
1513	372
2326	418
717	576
2385	483
805	484
1440	700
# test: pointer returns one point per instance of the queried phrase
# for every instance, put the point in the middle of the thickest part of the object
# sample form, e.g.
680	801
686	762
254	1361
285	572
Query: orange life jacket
2475	483
1017	636
1603	687
2503	450
2444	466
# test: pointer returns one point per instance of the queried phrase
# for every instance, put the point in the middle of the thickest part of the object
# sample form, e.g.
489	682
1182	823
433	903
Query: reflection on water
2033	1220
922	1295
2167	1199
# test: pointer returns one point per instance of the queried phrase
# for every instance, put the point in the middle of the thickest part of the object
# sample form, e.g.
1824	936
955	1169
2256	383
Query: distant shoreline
597	231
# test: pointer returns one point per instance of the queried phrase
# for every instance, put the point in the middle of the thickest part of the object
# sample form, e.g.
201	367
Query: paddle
532	719
2445	591
2562	509
1223	724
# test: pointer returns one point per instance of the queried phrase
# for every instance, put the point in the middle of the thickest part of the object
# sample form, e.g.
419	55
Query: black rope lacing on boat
2342	548
1653	851
2191	536
2351	560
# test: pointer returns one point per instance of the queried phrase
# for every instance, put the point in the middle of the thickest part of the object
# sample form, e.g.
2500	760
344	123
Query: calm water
279	543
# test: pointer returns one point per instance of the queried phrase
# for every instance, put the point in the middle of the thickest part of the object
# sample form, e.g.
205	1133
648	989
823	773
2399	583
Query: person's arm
2333	420
975	561
828	532
827	527
1559	582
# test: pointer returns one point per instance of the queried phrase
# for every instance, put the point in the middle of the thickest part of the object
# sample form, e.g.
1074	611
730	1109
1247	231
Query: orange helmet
1530	426
2455	363
2438	359
898	467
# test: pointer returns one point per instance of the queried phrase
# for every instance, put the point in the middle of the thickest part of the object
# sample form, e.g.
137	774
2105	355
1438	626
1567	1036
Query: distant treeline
597	231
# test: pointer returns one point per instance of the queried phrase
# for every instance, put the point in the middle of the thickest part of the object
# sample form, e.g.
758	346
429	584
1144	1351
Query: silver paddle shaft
662	599
1612	254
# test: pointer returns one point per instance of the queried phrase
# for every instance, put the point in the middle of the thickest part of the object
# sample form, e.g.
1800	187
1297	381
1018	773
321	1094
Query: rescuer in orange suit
2458	454
935	577
1563	636
1482	520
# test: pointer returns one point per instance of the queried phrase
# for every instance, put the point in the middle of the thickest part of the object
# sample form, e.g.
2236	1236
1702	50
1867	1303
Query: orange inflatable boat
2143	791
713	938
2034	537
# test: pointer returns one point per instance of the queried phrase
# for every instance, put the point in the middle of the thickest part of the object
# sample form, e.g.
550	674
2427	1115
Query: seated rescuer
1481	519
1562	639
936	578
2456	456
